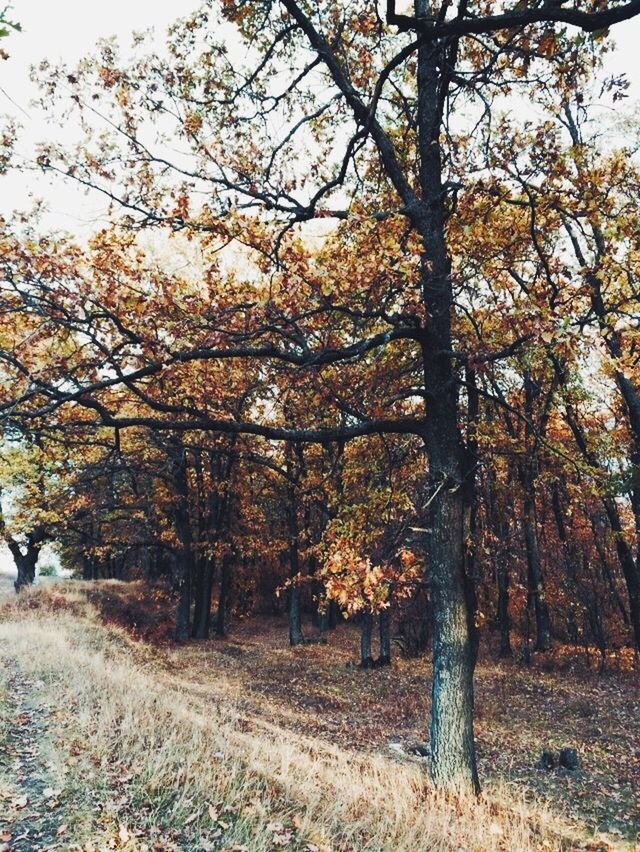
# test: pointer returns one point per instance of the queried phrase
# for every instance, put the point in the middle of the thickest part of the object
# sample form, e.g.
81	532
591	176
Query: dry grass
145	755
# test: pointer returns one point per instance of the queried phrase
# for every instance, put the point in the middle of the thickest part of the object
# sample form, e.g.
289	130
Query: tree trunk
204	594
25	562
504	623
87	567
296	636
385	638
197	629
26	565
535	579
452	743
223	599
185	556
471	509
453	760
366	629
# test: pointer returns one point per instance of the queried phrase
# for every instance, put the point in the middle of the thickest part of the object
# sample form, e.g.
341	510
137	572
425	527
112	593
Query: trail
28	822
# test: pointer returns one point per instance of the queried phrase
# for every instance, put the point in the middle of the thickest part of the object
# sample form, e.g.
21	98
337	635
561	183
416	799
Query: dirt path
28	822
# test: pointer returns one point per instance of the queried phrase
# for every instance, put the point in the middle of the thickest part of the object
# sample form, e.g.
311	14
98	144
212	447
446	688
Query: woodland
353	356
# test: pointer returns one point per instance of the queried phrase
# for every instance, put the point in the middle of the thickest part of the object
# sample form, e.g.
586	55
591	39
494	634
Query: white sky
68	29
64	30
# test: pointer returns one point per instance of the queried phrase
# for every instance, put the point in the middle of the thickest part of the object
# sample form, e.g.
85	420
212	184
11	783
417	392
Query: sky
65	30
68	29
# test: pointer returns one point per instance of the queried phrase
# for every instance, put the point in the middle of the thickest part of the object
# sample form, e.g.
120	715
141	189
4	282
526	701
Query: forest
331	419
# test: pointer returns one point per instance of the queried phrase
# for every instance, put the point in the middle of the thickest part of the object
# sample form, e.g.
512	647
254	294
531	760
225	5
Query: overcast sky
64	30
68	29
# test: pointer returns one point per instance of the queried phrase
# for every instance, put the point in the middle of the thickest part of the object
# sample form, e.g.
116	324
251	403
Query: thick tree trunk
452	742
87	567
26	566
25	562
296	637
453	760
203	597
385	638
366	629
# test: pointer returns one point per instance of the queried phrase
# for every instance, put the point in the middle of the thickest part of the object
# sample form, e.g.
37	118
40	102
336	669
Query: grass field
111	741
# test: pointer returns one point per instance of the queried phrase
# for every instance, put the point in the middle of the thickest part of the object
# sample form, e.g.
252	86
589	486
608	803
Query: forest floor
111	741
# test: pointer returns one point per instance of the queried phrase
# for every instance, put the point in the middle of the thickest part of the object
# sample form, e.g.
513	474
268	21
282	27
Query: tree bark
185	556
26	562
500	526
366	629
452	744
453	760
197	628
504	622
471	509
26	565
385	638
535	579
296	637
223	598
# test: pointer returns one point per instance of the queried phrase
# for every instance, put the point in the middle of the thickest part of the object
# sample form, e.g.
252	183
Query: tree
393	180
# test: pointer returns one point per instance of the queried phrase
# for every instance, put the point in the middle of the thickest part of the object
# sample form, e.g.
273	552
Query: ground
114	740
